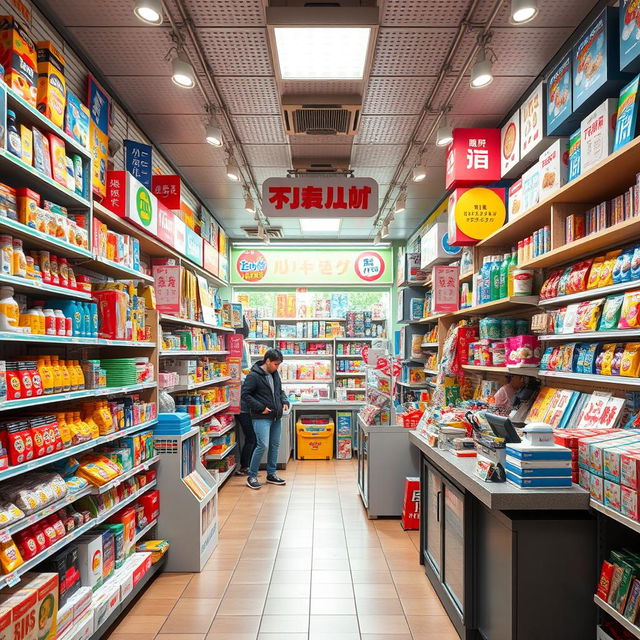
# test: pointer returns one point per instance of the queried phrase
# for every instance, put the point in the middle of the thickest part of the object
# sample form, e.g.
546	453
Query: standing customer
263	397
245	417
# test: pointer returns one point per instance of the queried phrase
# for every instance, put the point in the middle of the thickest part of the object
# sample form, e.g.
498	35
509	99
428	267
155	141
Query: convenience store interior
429	209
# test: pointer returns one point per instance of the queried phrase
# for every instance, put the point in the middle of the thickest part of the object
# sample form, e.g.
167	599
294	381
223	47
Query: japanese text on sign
334	197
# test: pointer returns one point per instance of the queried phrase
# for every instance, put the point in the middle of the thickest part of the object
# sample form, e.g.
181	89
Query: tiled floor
300	562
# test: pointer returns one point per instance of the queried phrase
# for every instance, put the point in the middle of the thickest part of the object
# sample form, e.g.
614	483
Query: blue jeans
267	436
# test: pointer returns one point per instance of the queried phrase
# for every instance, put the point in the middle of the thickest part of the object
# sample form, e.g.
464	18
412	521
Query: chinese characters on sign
251	266
167	285
335	197
473	157
167	189
137	161
475	214
445	288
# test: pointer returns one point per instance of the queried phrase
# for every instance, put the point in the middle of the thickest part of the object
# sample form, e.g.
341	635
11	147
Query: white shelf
120	271
22	285
414	385
430	372
199	385
600	292
224	454
615	515
144	466
340	374
97	342
164	317
305	356
71	451
429	345
221	406
146	530
260	339
206	448
605	606
619	381
228	428
363	389
296	339
74	395
167	353
13	578
225	476
306	382
620	334
303	319
357	339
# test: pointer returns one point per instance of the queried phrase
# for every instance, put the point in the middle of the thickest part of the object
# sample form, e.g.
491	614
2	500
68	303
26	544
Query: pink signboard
167	284
445	284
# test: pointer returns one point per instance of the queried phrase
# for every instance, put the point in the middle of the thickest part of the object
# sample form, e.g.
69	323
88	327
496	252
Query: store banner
167	189
445	287
166	226
475	214
559	92
99	104
510	144
532	123
138	159
473	157
315	197
193	246
629	35
131	200
167	287
298	266
179	235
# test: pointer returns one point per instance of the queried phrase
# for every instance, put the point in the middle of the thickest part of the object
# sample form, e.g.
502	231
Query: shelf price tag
4	536
12	579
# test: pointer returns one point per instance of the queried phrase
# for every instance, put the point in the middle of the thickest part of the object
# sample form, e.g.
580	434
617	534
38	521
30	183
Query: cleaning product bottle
73	375
9	310
93	308
485	289
504	275
37	309
86	319
495	278
513	264
46	376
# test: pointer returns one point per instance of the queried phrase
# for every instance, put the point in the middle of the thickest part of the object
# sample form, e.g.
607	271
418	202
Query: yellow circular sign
479	212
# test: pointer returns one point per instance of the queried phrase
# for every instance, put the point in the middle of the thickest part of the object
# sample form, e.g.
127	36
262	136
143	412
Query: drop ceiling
412	43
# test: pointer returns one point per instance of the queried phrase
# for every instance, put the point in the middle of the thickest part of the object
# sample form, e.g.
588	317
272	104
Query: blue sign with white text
138	161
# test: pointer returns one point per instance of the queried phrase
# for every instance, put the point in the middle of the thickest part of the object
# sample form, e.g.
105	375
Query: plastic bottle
504	275
513	264
88	419
6	255
14	142
53	270
61	323
66	378
30	320
47	376
80	372
50	321
63	272
485	289
496	267
18	259
57	374
9	310
42	326
90	431
73	375
93	308
86	319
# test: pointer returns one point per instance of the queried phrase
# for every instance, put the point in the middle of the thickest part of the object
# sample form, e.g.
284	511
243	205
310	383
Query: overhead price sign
314	197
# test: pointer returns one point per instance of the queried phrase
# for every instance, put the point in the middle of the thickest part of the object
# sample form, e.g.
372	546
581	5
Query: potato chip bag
606	275
579	276
635	263
629	315
588	315
611	313
607	358
594	274
622	267
630	365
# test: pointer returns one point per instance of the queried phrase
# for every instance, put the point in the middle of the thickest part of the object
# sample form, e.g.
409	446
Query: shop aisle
300	562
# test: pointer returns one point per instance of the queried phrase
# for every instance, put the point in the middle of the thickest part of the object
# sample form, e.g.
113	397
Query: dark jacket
256	394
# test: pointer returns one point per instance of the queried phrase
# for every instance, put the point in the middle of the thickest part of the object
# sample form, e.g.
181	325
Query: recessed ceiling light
481	73
322	53
523	10
320	225
182	72
149	11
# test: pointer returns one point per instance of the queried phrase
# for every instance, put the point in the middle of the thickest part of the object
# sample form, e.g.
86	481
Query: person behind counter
505	396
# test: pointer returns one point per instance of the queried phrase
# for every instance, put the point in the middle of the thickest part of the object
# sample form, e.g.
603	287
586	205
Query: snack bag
611	313
590	356
605	360
594	274
635	263
10	557
622	267
588	315
616	362
579	276
606	275
629	315
630	365
550	286
564	281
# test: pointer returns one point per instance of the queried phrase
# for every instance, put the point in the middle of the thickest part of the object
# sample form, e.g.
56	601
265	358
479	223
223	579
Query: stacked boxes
344	429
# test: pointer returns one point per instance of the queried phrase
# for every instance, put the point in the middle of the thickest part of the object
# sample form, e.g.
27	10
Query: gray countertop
502	496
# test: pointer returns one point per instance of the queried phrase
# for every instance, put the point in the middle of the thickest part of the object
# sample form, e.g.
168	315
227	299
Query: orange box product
23	604
26	138
18	57
58	159
46	585
51	87
28	203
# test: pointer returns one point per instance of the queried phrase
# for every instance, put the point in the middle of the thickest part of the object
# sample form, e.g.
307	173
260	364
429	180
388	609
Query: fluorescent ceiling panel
320	225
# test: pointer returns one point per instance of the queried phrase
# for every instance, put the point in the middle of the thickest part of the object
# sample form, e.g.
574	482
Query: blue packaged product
622	267
86	318
135	253
544	362
590	356
93	309
635	263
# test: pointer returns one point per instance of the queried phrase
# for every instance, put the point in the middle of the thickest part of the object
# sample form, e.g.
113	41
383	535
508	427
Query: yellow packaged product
10	558
606	275
594	273
95	471
18	57
630	364
63	428
26	138
51	89
9	513
608	352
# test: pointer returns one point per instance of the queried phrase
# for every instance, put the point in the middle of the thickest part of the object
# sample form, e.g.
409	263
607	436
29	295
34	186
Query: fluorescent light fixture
481	73
401	202
419	173
182	72
320	225
149	11
444	135
213	134
232	170
322	53
523	10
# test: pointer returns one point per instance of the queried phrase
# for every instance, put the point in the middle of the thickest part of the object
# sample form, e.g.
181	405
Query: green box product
123	457
620	598
118	539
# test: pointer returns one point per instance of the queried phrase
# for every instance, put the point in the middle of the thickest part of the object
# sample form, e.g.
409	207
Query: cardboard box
531	187
596	487
515	204
554	168
81	601
127	517
597	134
65	619
597	451
613	461
612	495
26	138
151	504
18	57
124	577
46	586
6	626
23	604
90	558
51	86
105	600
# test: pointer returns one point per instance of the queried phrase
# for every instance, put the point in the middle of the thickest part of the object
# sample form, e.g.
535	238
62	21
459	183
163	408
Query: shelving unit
618	381
224	454
618	617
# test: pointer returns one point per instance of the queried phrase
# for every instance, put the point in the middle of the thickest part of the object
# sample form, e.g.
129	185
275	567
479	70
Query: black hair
245	328
274	355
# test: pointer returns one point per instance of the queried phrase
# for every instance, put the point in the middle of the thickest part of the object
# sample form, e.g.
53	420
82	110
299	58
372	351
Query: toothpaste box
596	487
613	460
612	495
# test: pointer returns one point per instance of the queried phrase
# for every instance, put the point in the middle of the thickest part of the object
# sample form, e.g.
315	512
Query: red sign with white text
445	283
411	505
473	157
167	190
166	226
313	197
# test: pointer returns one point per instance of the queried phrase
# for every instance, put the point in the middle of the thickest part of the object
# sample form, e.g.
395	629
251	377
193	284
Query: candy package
606	275
550	286
630	365
635	263
604	360
564	282
579	276
616	361
622	267
611	313
588	315
594	274
629	315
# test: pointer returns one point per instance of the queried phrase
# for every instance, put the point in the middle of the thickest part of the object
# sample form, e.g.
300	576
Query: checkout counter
506	563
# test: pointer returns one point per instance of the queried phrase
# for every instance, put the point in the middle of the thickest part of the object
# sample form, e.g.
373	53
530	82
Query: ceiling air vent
322	115
274	233
321	167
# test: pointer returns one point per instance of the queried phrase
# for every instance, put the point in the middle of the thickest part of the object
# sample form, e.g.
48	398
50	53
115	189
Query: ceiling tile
226	13
169	129
126	51
382	175
236	52
551	13
326	87
411	52
201	154
386	129
498	100
215	176
441	13
397	95
268	155
377	155
262	173
319	151
80	13
260	129
257	95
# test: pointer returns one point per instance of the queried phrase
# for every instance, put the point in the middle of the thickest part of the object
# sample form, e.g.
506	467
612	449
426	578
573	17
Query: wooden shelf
617	381
466	277
616	235
520	371
609	178
497	306
433	318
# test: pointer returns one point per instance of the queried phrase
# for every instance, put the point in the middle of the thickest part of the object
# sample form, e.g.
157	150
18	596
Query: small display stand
193	496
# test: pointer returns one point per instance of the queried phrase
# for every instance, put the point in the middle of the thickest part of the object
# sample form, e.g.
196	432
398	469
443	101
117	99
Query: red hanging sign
167	189
473	157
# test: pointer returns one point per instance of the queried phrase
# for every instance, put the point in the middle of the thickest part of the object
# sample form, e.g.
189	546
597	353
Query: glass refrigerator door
363	465
454	544
433	520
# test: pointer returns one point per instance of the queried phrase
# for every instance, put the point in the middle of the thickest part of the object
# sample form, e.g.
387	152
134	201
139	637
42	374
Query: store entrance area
300	562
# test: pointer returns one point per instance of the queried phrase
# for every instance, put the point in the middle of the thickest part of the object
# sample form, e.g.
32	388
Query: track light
182	72
444	134
232	169
523	10
401	202
213	134
149	11
384	232
481	74
256	217
419	173
377	239
249	204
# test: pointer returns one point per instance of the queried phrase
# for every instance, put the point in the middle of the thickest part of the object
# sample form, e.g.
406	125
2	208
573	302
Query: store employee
265	400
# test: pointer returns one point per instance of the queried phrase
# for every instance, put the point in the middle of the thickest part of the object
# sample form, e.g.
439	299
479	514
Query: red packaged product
39	536
50	533
550	287
20	442
39	429
15	390
26	544
579	276
58	526
604	583
150	501
112	314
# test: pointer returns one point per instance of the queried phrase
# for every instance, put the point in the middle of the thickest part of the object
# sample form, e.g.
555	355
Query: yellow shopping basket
315	437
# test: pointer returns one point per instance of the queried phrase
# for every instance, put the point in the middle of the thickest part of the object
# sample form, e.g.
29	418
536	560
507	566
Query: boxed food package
41	153
58	159
515	205
105	600
22	604
46	586
90	559
66	564
26	138
76	121
127	517
531	187
18	57
51	87
554	167
597	133
151	504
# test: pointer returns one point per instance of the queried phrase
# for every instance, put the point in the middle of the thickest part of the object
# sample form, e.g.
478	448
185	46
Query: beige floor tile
383	624
241	606
333	606
231	625
430	625
284	624
422	606
331	591
330	577
286	606
283	590
153	607
291	577
333	624
368	576
141	624
282	636
386	636
180	636
132	636
379	606
247	590
375	591
424	590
